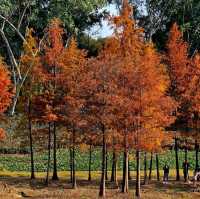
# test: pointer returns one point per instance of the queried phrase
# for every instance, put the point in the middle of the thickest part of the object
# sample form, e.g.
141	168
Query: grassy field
17	185
22	162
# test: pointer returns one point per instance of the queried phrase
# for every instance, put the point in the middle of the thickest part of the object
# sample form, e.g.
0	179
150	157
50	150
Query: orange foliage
2	134
5	87
140	105
179	63
125	87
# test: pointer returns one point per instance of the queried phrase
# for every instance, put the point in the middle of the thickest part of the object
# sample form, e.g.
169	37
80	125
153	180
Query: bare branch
3	25
19	90
13	26
10	53
22	16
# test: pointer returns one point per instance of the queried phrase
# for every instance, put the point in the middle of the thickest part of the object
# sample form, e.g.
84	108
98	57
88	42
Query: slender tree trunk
129	171
114	169
115	176
137	192
90	163
74	185
197	154
71	165
55	175
31	140
125	167
177	160
157	168
49	154
150	166
106	174
186	154
186	151
145	168
103	183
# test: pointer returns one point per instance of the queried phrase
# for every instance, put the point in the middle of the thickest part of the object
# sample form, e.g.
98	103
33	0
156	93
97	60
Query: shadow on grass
39	184
174	186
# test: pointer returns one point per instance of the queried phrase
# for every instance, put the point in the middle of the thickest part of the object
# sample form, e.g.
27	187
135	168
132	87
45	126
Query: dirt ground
22	187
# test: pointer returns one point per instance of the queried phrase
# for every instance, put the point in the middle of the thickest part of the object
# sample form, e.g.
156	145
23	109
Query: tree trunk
71	165
150	166
137	192
106	173
129	171
31	140
125	167
197	154
74	185
157	168
90	163
49	155
55	175
145	168
177	160
186	151
114	169
103	183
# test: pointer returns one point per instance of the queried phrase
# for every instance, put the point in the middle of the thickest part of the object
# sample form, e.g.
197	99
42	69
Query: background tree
6	92
180	72
160	15
5	87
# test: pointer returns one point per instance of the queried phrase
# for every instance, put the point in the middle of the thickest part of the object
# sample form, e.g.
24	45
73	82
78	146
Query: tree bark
145	168
114	169
71	164
125	167
138	191
177	160
197	154
157	168
186	151
55	175
103	183
150	166
90	163
49	154
129	171
74	185
31	140
106	173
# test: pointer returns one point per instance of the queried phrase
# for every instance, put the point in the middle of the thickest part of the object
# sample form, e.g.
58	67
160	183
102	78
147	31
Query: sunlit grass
83	175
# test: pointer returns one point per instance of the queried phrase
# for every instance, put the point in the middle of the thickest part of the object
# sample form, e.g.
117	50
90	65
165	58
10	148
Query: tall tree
27	59
180	72
51	61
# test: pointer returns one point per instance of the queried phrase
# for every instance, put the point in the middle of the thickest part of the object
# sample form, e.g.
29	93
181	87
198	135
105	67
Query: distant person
186	166
196	176
166	173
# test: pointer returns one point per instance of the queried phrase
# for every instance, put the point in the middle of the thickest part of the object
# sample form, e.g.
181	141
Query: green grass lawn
22	162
